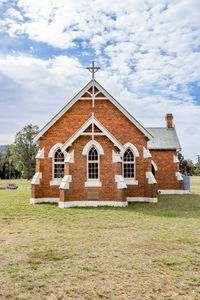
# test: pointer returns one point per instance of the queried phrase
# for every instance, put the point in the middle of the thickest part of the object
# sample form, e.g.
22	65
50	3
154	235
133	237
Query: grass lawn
143	251
195	184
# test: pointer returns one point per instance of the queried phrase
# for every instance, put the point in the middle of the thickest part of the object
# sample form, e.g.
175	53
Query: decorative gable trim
94	121
78	96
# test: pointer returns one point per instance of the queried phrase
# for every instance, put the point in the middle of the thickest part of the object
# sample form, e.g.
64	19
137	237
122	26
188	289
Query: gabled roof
164	138
78	96
92	120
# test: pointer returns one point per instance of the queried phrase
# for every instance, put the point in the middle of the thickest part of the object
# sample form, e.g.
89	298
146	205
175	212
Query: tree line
18	159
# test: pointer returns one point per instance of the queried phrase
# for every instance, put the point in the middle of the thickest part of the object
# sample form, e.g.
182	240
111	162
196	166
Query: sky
148	52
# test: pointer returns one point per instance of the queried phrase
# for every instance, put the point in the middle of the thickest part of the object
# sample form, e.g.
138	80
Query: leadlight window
129	164
59	164
93	164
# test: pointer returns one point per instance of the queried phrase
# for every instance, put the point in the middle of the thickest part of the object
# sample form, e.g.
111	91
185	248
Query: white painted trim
142	199
44	200
151	178
146	153
68	204
40	154
36	178
132	147
93	183
69	158
175	192
65	182
116	157
120	182
77	97
179	176
90	121
155	166
175	159
95	144
54	148
55	181
130	181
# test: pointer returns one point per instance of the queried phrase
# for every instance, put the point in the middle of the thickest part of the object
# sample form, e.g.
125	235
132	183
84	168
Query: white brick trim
142	199
40	154
146	153
36	178
54	148
44	200
179	176
120	182
69	158
93	183
65	182
68	204
130	181
155	166
151	178
90	144
133	148
116	157
175	159
175	192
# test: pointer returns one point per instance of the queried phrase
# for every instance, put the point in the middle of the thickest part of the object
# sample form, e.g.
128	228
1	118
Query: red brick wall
120	127
166	174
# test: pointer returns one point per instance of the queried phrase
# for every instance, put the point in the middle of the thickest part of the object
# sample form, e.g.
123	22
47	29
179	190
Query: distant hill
2	148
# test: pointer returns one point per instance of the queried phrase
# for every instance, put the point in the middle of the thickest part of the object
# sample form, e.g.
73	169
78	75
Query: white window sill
130	181
56	181
93	183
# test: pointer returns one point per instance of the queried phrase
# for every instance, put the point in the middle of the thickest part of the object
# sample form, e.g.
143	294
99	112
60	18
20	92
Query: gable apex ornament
93	69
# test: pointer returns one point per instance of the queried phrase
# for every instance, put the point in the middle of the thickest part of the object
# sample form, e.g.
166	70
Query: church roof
164	138
107	96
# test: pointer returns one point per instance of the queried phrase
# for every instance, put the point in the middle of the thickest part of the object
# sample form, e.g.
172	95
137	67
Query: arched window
59	166
93	164
129	164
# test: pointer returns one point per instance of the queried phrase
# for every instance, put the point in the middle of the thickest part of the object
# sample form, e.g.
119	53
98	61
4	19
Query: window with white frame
129	164
93	164
58	164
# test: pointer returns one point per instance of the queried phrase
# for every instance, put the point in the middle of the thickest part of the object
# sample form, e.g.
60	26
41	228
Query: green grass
195	184
143	251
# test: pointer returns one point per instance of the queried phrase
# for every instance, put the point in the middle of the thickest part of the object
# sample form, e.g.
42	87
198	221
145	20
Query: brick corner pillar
121	193
64	187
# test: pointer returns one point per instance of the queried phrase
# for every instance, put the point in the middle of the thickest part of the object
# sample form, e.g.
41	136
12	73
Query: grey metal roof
164	138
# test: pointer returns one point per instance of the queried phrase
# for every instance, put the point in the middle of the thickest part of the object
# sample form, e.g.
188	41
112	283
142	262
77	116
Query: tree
186	165
7	166
24	150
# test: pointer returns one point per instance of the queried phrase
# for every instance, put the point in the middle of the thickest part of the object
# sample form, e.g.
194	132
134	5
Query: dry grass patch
144	251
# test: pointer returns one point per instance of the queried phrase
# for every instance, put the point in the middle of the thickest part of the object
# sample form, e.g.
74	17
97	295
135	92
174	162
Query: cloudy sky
148	51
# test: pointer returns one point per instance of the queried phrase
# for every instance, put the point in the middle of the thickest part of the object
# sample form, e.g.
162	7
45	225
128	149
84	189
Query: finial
93	69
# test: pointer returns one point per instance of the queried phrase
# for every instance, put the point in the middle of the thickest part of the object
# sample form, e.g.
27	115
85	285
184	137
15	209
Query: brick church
95	153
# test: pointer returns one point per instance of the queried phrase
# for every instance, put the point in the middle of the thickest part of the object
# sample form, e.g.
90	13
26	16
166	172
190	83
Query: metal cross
93	69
